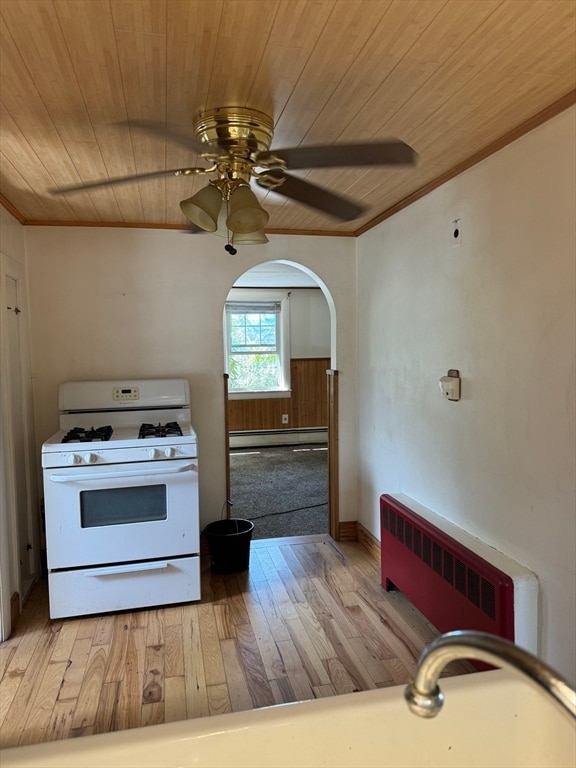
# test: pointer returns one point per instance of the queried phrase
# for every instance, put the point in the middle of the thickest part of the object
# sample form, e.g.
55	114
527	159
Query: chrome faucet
425	698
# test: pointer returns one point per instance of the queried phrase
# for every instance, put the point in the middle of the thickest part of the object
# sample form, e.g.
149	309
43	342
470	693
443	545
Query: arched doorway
313	336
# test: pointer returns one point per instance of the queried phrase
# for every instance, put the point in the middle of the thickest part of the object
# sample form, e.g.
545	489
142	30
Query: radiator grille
417	539
477	589
460	576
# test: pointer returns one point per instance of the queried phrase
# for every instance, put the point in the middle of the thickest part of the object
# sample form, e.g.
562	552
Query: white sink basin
489	719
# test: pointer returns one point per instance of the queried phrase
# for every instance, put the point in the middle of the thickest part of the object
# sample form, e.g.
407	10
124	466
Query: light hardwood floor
308	619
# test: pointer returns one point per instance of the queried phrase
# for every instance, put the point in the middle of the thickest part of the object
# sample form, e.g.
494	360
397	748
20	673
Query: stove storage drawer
123	587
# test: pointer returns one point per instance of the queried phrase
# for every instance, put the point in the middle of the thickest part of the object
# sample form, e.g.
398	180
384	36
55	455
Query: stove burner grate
93	435
171	429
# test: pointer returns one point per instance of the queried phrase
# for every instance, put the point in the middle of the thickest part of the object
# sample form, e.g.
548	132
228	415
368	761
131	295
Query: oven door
121	513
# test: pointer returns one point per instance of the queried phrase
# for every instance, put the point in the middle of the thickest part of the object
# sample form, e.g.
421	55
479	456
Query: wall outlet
284	418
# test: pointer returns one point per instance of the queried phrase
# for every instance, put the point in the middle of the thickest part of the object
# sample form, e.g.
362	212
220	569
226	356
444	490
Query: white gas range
121	497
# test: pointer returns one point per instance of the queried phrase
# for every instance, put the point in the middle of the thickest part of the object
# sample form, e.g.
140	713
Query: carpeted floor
284	490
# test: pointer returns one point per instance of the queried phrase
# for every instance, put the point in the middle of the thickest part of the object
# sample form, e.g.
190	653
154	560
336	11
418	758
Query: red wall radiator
450	584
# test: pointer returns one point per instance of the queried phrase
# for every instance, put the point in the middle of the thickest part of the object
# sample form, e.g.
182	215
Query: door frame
13	592
333	427
333	477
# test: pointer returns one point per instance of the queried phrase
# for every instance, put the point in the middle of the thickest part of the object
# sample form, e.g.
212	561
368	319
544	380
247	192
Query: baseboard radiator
278	437
455	581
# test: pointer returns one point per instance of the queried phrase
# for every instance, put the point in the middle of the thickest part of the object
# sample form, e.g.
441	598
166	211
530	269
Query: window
256	338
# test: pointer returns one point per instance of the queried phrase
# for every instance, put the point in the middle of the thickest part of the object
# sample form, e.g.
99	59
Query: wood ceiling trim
136	225
533	122
114	224
311	232
5	203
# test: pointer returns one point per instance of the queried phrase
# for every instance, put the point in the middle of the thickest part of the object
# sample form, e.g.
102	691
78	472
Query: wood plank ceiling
452	78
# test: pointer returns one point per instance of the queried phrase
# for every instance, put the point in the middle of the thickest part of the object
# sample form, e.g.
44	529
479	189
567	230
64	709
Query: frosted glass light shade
222	230
203	208
249	238
245	214
238	238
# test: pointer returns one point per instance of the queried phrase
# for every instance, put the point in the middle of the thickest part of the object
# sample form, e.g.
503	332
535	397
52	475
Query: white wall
501	308
11	236
110	303
309	323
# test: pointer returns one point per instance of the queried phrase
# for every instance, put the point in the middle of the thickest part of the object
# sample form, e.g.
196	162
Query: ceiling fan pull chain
229	248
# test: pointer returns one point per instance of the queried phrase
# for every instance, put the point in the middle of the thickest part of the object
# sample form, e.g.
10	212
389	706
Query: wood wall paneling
306	407
309	396
257	414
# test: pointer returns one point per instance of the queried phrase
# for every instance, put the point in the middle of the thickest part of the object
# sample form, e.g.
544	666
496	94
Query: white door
20	476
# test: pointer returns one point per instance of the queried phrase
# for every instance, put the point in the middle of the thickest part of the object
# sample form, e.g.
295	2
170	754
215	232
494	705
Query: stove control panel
82	458
86	458
163	453
125	393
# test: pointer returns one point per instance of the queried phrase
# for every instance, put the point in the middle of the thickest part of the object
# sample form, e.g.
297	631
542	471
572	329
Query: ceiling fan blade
393	152
126	180
312	195
186	139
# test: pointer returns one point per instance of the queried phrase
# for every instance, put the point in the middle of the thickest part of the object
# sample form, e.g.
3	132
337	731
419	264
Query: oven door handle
112	570
72	478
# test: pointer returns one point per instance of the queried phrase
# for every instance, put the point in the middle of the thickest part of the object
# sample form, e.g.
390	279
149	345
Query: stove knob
153	453
169	453
74	459
90	458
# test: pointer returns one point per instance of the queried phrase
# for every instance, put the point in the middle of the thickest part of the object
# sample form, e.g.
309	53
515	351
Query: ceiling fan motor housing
237	130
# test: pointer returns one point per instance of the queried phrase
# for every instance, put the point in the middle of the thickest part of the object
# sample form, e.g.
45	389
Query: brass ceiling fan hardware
238	130
114	182
270	160
227	186
270	180
236	142
195	171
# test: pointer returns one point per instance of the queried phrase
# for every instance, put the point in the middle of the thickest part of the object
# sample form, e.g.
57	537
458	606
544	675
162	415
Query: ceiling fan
236	142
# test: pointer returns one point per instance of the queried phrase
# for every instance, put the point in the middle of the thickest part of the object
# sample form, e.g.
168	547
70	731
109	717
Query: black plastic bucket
229	544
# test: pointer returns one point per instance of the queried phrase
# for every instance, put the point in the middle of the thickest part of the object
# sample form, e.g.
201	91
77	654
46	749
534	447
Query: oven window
121	506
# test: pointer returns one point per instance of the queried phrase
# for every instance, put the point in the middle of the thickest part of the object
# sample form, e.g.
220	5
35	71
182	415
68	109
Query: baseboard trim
350	530
278	437
369	542
14	609
347	531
